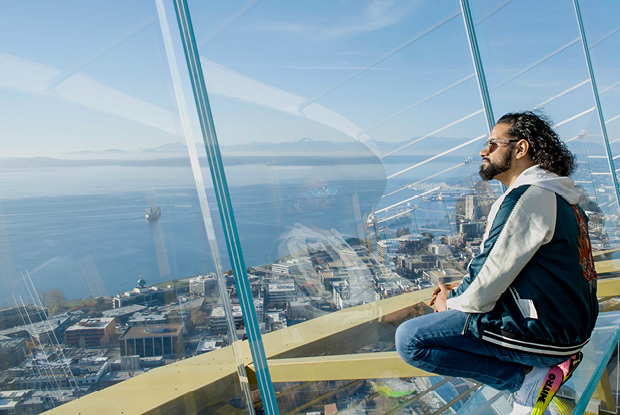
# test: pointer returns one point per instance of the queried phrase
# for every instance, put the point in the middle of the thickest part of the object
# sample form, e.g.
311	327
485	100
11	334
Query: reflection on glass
365	191
350	135
106	268
530	79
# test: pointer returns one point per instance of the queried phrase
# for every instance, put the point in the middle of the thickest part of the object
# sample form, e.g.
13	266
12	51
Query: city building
295	266
470	207
148	316
387	247
440	249
341	292
91	332
471	229
203	285
147	341
50	372
275	320
88	372
21	315
21	402
348	256
144	295
280	292
48	331
122	314
217	319
12	352
208	344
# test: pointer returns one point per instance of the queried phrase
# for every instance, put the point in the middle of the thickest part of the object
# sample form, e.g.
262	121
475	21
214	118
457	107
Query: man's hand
440	295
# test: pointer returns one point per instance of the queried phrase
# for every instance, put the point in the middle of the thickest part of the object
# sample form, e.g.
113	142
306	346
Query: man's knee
408	342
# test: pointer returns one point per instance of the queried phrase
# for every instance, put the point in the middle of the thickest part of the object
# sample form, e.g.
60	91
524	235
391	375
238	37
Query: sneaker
570	365
555	378
541	384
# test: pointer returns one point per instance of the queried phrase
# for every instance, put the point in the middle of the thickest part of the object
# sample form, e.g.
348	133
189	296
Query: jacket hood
536	176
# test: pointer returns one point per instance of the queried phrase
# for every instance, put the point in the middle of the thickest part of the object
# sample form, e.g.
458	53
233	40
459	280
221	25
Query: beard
493	169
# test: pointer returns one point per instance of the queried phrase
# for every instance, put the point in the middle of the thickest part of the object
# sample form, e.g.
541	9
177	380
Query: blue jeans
436	343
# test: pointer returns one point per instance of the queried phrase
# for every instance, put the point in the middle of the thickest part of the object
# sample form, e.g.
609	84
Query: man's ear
521	148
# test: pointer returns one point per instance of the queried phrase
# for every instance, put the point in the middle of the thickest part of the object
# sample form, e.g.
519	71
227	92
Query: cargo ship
153	213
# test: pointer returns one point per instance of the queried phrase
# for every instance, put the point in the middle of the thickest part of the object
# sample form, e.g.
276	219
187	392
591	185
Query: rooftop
139	332
92	324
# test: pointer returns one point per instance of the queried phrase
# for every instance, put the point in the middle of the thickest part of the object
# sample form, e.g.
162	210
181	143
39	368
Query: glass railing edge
598	372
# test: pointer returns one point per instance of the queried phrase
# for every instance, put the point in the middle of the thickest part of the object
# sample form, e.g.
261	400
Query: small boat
153	213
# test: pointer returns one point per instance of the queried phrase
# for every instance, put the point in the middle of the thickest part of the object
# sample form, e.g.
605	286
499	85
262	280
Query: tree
54	300
198	317
402	231
416	247
101	304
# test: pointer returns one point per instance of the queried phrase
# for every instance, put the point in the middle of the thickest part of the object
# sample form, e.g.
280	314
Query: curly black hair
545	146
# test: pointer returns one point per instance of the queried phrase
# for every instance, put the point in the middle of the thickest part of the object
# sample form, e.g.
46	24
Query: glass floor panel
574	396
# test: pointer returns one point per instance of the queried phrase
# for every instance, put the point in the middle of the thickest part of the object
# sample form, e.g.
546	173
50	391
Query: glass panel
544	68
603	36
348	133
576	393
106	265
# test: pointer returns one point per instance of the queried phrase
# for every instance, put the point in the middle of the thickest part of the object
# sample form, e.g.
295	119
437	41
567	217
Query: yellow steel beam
608	251
343	367
605	267
608	287
191	385
604	393
345	330
184	387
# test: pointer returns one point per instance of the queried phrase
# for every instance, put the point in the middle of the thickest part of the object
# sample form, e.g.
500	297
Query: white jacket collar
536	176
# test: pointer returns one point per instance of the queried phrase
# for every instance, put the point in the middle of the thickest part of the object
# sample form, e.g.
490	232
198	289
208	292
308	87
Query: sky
81	76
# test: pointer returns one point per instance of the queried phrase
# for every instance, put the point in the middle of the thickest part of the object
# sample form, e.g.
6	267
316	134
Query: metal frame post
225	206
597	100
478	68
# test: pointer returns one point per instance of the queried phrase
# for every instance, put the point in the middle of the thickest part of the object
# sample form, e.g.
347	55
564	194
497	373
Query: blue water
83	229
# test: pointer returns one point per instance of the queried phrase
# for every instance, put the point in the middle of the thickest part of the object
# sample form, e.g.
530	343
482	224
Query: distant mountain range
305	146
305	151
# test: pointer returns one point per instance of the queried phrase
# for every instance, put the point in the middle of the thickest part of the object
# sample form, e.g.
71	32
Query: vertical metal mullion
225	207
478	68
597	100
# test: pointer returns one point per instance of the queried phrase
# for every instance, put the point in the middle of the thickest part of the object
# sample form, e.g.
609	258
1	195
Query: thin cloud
333	68
377	15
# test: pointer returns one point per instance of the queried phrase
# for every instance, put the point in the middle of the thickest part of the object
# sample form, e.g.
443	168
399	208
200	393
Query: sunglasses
492	143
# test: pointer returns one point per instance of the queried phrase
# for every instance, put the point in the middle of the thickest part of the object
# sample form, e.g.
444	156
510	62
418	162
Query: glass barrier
575	396
110	265
350	136
359	127
549	73
603	37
